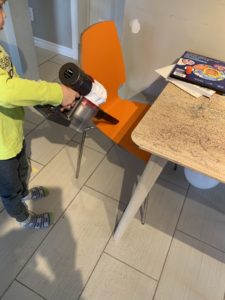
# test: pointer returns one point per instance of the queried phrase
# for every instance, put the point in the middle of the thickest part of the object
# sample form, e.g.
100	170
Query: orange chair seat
129	114
101	57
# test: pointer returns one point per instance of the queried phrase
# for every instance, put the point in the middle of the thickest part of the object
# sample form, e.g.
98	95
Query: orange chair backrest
101	56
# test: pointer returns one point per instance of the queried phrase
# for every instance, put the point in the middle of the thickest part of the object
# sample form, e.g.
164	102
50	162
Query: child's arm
23	92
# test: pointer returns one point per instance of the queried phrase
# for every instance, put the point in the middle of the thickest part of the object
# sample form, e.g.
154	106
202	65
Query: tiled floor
179	254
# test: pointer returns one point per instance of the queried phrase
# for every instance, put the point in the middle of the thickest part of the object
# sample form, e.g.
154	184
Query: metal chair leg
80	152
143	211
81	148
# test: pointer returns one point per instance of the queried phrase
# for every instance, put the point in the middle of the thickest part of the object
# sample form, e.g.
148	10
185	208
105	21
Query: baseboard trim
73	53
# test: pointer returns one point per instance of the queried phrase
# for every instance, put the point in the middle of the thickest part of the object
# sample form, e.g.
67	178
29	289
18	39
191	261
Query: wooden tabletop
186	130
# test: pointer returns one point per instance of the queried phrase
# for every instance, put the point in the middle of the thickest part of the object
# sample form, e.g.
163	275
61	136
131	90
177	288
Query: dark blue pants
13	185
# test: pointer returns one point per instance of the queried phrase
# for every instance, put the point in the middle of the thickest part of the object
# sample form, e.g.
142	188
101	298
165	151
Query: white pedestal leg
151	172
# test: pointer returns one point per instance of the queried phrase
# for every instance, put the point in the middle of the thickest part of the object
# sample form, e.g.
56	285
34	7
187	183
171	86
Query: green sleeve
23	92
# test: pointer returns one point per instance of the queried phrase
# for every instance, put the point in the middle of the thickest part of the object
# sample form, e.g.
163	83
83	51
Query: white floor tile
28	127
19	292
43	55
59	178
33	116
35	168
193	271
174	176
95	140
117	175
61	59
49	71
203	215
114	280
17	246
47	140
145	247
63	263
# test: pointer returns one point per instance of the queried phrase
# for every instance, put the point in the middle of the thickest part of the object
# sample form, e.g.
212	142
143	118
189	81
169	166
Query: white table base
151	172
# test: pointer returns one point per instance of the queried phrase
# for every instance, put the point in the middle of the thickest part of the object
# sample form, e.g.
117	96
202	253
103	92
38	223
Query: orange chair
101	57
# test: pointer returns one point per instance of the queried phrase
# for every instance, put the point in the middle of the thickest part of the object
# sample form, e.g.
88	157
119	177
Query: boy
15	93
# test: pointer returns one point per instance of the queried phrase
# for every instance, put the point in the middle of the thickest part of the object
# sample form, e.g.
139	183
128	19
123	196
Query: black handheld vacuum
84	110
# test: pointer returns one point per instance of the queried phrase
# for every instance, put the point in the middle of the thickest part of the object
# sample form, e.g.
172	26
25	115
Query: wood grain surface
186	130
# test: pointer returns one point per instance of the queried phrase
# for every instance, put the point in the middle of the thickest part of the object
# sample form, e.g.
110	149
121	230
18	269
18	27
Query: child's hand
69	97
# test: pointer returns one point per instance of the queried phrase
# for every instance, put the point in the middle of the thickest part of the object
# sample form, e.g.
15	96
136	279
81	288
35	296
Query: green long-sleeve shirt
15	93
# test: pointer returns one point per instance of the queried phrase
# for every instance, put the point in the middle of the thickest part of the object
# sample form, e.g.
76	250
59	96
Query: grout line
103	157
172	237
89	277
109	236
130	266
161	177
35	127
44	166
106	195
203	242
105	252
45	237
37	162
92	148
59	218
28	121
27	287
173	183
46	60
5	291
53	226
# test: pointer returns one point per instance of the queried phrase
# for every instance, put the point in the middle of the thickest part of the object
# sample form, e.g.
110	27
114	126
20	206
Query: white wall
168	28
93	11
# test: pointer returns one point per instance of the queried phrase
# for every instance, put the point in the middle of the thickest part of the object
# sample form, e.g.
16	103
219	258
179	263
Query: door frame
74	27
11	41
70	52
